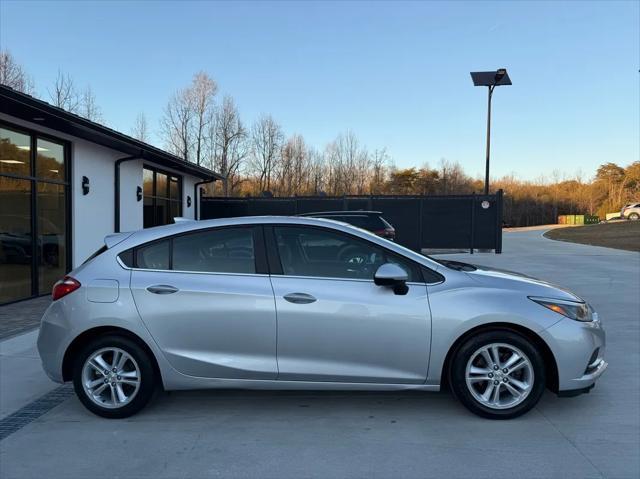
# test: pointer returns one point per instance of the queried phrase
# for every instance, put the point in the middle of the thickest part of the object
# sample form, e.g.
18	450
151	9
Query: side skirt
189	382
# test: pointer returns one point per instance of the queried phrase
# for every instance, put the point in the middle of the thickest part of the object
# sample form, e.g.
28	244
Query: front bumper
579	350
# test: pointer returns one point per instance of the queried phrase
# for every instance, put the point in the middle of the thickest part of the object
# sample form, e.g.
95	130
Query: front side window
327	254
227	250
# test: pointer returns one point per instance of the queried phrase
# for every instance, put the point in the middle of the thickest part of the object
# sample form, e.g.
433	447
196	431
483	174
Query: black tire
457	373
148	378
634	216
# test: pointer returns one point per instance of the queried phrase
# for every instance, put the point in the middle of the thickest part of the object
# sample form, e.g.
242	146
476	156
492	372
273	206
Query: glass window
148	212
33	214
50	160
153	256
147	182
162	197
328	254
15	152
161	185
174	188
52	235
162	212
226	250
16	249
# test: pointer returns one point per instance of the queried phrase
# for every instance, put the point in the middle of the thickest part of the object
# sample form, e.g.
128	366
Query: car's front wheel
113	377
498	374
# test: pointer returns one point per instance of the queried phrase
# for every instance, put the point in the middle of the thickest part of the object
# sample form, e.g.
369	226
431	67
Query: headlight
570	309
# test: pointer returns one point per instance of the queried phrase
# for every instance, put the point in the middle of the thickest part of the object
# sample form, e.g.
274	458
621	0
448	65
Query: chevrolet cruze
305	303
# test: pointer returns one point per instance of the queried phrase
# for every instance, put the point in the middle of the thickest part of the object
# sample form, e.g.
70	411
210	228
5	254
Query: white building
67	182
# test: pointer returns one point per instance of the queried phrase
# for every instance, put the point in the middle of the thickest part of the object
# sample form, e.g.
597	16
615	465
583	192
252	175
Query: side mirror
392	275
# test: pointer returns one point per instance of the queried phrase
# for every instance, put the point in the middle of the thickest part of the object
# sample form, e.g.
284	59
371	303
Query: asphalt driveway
299	434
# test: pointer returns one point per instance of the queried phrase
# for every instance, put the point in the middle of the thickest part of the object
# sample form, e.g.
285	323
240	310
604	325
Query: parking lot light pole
490	80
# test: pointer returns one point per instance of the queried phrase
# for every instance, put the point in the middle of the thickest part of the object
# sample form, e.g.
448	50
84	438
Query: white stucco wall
131	210
92	215
187	190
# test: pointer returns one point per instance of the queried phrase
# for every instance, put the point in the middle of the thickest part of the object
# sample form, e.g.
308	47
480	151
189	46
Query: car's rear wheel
113	377
498	374
634	216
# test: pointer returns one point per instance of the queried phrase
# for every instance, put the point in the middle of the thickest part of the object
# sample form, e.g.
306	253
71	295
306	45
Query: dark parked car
367	220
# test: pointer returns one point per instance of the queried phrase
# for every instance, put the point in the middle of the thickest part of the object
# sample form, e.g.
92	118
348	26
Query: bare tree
64	94
228	140
291	172
176	124
266	143
88	107
140	130
13	75
203	89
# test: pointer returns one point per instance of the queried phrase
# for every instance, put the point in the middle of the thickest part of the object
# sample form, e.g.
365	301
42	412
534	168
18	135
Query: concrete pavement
22	379
408	434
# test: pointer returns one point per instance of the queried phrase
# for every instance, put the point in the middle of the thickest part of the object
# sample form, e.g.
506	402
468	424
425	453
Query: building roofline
28	108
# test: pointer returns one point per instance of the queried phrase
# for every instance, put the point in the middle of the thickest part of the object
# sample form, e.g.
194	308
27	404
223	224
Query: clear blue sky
397	74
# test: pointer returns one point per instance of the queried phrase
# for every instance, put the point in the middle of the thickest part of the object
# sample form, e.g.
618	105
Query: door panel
354	331
214	325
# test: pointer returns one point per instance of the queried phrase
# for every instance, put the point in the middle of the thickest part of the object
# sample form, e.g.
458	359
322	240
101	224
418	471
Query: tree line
259	158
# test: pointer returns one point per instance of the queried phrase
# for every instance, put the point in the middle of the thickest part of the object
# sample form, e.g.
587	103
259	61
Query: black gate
433	222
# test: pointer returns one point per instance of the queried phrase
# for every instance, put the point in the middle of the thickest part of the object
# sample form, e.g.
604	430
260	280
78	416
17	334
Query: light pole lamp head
499	77
500	73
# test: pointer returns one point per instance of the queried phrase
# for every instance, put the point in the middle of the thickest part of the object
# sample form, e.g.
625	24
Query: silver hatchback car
305	303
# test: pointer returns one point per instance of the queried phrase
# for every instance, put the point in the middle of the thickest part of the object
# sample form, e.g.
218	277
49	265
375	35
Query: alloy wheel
499	376
111	377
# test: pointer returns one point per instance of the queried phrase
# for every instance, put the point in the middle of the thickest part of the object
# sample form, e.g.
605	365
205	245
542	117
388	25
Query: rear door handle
299	298
162	289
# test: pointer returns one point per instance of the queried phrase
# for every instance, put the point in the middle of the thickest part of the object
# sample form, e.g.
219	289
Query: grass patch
623	235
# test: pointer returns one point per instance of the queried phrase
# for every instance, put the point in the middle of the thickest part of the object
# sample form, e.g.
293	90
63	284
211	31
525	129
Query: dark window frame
167	197
34	135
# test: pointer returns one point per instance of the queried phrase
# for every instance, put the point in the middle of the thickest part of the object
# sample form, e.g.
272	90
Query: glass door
34	214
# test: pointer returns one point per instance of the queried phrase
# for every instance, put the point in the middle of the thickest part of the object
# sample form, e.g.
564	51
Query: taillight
65	286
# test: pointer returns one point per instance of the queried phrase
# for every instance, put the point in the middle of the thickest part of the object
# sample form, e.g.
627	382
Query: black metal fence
421	222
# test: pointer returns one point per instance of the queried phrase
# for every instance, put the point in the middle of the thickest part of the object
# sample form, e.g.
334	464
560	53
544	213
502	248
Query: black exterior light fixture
85	186
491	80
139	193
188	201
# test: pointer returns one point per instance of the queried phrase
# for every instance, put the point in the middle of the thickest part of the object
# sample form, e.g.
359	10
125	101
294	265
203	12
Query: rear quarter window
153	256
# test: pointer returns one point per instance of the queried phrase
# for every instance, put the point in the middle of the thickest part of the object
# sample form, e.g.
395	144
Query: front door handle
162	289
299	298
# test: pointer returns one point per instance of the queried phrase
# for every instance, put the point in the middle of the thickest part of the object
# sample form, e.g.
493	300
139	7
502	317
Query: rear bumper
52	340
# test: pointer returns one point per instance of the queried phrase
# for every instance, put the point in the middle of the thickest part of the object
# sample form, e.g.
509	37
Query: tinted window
226	250
324	253
153	256
50	160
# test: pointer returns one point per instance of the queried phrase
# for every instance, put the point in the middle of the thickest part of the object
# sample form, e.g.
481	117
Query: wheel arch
82	339
550	364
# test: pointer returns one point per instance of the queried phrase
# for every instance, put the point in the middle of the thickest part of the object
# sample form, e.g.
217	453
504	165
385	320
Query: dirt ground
620	235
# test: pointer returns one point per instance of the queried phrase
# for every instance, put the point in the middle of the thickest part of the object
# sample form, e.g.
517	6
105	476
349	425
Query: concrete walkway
312	434
23	316
22	379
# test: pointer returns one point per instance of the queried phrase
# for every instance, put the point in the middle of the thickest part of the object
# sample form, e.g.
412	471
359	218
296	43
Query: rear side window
228	250
153	256
224	250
